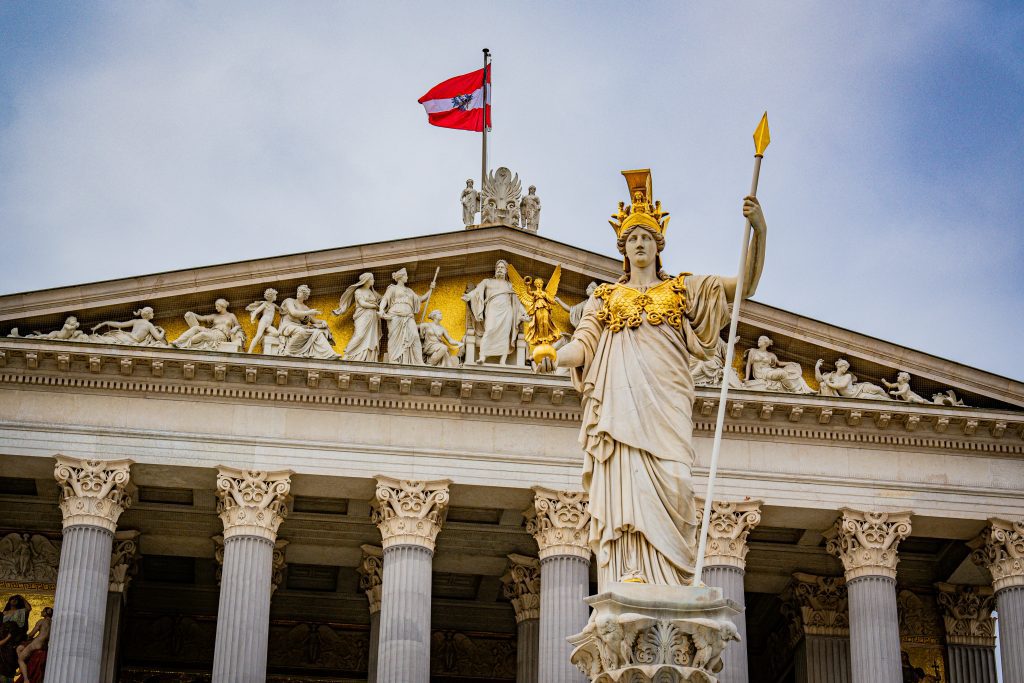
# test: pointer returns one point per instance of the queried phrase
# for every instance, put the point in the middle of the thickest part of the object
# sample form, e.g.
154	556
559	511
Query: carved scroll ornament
92	492
866	542
1000	549
731	523
410	512
560	522
252	502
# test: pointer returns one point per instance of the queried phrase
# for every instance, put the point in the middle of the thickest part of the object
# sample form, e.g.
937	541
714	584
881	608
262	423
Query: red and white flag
459	102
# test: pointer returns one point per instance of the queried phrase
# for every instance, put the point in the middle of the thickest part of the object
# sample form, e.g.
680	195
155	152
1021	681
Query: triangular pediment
463	258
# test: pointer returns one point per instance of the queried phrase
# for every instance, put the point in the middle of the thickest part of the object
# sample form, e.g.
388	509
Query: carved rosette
522	586
124	557
967	613
731	523
866	542
92	492
410	512
252	502
821	606
560	522
371	575
1000	549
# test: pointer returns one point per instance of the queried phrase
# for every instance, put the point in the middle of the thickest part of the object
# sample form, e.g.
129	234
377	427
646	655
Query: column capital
123	560
522	586
967	613
560	522
277	565
371	575
92	492
410	512
252	502
866	542
822	606
731	523
1000	549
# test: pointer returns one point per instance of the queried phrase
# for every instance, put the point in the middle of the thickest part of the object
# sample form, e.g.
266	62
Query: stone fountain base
643	633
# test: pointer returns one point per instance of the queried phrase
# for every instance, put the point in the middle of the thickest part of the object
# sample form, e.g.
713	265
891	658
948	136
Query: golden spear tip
761	136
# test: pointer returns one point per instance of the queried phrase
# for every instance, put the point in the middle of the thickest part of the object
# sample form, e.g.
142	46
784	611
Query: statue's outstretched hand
752	212
544	367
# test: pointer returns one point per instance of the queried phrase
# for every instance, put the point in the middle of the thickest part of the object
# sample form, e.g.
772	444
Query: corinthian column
725	562
819	630
371	570
560	521
92	498
123	559
866	543
970	632
1000	549
522	587
409	515
252	505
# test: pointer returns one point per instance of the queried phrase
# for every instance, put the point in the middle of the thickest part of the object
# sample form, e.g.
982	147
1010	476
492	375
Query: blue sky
142	137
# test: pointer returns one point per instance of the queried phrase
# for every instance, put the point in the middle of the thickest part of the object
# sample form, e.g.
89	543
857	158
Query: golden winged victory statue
538	301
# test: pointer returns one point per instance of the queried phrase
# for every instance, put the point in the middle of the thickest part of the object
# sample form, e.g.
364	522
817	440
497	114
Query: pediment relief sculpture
29	557
218	331
266	310
765	372
302	333
842	383
494	303
364	301
138	331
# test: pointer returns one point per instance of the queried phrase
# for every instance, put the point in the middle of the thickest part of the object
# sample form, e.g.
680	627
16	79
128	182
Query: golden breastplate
623	306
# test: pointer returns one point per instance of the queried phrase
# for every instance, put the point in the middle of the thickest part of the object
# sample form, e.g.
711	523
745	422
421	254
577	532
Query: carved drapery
967	613
521	584
866	542
731	523
1000	549
560	522
29	557
252	502
410	512
371	568
123	560
92	492
820	604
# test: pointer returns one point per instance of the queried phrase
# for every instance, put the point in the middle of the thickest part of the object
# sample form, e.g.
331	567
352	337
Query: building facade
196	511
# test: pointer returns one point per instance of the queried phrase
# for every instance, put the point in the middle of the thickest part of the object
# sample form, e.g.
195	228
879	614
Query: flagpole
483	155
761	140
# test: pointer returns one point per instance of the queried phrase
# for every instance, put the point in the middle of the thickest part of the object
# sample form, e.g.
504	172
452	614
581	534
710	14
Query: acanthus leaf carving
371	575
560	522
92	492
967	614
867	542
521	585
821	603
730	525
410	512
252	502
1000	549
124	557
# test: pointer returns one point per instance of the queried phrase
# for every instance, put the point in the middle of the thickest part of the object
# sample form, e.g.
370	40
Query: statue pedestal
643	633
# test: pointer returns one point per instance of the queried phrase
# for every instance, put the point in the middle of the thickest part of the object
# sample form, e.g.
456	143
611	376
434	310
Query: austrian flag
459	102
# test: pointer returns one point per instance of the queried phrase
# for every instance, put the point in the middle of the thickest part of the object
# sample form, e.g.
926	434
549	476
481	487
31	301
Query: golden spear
761	140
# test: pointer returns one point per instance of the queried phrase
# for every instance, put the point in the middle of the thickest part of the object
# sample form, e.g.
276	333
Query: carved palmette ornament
821	605
521	585
560	522
967	614
1000	549
92	492
501	193
371	575
866	542
252	502
730	525
410	512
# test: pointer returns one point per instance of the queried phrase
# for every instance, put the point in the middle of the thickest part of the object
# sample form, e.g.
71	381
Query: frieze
29	557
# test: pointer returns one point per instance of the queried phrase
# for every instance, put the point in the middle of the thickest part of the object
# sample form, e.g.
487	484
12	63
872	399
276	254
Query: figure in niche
766	373
399	307
495	303
470	200
302	333
576	312
266	310
365	342
437	343
13	630
845	385
709	373
223	327
39	637
630	360
137	332
537	301
901	389
69	332
529	210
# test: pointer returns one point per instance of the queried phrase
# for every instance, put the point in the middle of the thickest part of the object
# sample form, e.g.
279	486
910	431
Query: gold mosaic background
39	595
447	298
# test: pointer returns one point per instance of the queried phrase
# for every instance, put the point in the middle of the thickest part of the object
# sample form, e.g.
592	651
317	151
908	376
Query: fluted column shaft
972	664
734	657
527	650
79	605
564	583
874	630
404	649
1010	607
823	659
371	667
243	614
111	637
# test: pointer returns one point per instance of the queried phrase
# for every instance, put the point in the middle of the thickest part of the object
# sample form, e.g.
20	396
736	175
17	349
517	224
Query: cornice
487	393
